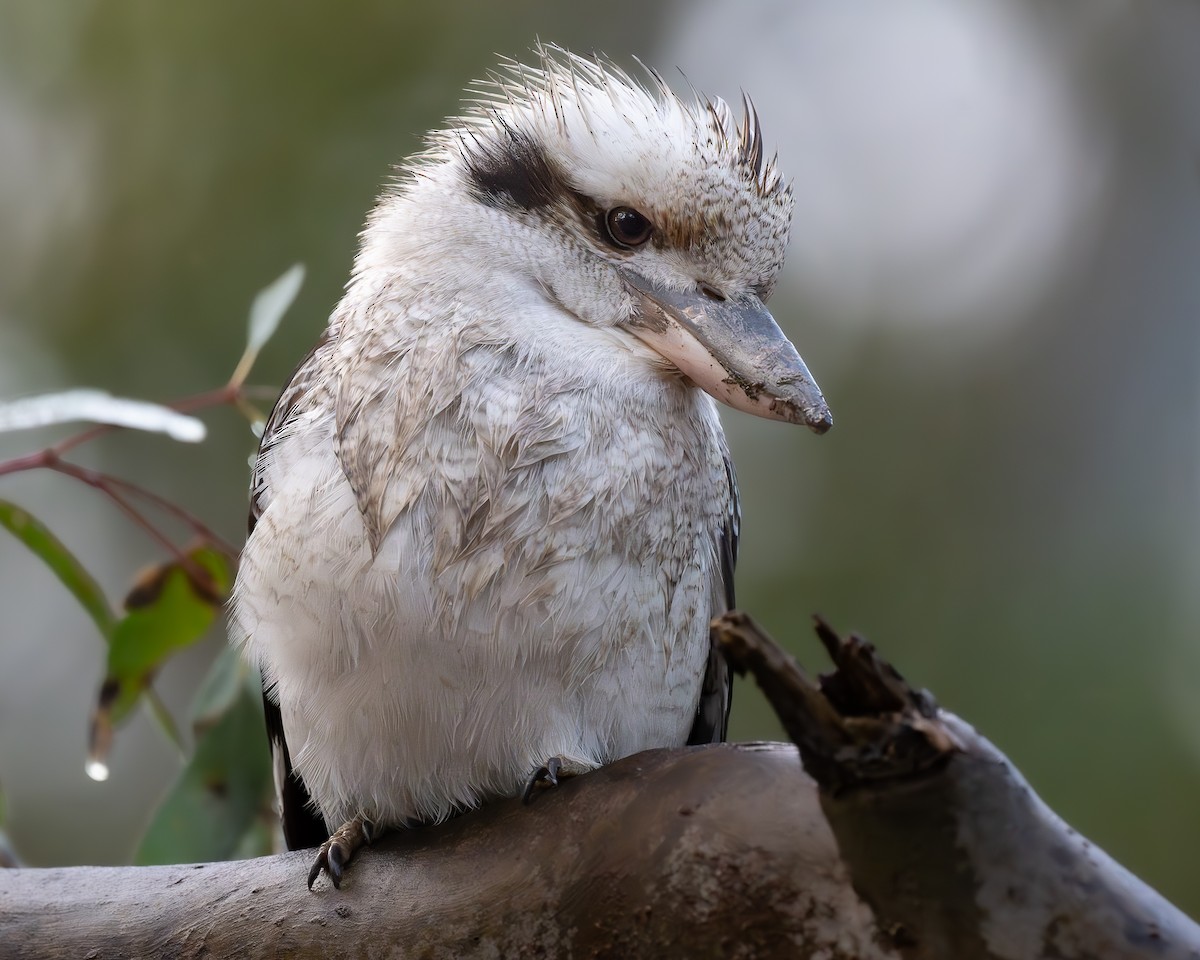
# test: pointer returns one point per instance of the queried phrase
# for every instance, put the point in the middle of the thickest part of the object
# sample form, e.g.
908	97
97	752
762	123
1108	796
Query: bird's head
635	210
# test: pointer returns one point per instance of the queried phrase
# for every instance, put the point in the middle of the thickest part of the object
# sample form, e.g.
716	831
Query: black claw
545	774
317	867
335	860
337	852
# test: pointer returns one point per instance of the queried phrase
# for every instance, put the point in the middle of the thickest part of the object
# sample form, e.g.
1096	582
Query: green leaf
166	722
266	311
225	680
219	806
270	305
169	611
169	608
259	839
38	538
98	406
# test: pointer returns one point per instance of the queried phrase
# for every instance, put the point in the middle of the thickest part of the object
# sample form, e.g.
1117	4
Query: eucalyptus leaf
226	678
98	406
218	806
169	611
62	563
270	305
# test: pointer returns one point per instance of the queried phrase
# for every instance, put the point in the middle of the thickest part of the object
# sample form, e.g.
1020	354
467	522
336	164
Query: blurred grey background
994	273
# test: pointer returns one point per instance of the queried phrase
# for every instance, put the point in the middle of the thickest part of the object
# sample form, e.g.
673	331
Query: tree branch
916	839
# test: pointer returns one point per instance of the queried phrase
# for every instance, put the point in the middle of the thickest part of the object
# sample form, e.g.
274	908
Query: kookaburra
493	511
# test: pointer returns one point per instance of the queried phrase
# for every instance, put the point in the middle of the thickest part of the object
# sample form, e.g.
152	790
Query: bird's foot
548	775
337	852
544	776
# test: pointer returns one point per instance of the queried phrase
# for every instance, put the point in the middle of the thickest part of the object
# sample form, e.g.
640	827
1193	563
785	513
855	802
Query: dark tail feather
302	827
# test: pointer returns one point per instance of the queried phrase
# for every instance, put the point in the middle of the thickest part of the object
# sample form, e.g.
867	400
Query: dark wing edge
716	693
303	827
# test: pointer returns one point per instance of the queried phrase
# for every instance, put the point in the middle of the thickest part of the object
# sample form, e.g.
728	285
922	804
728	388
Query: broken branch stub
860	724
951	849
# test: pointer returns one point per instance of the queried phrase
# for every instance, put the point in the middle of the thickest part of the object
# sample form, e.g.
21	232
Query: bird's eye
626	227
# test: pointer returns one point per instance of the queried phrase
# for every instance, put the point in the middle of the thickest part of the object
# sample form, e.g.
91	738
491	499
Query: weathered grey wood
921	841
707	852
953	851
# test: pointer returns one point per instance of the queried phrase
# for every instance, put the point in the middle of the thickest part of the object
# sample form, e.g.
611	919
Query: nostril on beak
712	292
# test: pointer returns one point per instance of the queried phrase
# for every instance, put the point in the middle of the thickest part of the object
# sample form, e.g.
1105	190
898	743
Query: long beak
731	349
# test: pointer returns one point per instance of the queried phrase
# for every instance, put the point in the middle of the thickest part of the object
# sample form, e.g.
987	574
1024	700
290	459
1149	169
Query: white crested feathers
721	208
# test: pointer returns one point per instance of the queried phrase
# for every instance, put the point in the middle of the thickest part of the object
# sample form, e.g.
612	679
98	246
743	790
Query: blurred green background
994	274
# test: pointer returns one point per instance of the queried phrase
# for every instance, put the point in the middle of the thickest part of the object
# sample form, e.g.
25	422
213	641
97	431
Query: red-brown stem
30	461
100	482
180	513
50	458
